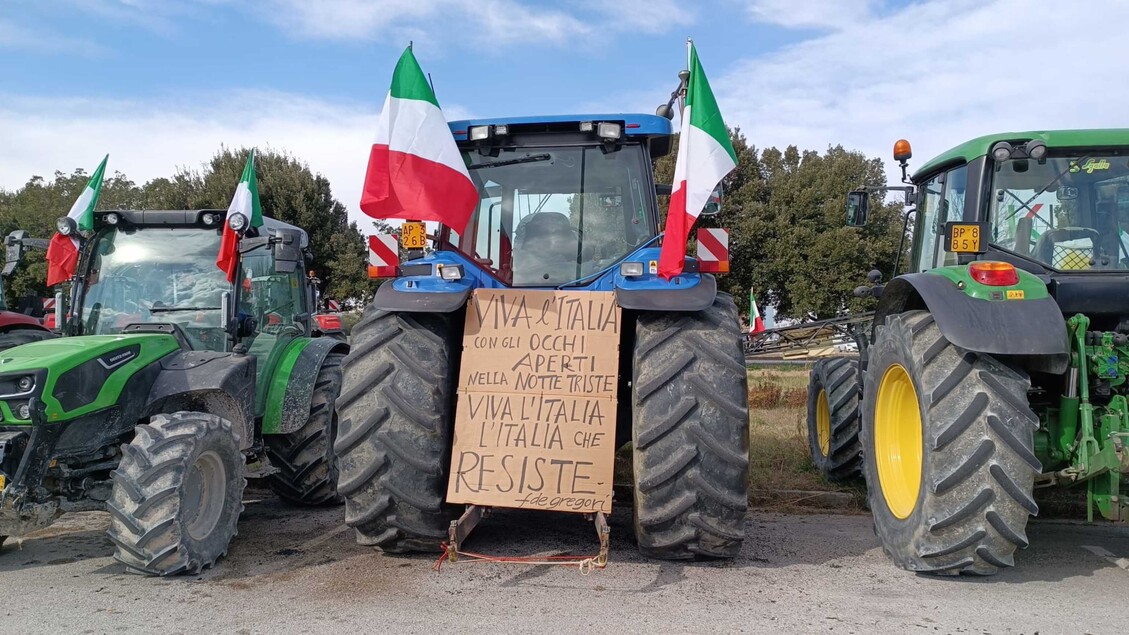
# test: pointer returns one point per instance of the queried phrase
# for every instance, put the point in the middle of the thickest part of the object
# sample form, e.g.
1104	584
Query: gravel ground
299	571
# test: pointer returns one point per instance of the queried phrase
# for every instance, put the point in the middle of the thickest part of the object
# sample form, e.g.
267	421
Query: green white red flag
415	169
705	156
756	322
245	202
62	252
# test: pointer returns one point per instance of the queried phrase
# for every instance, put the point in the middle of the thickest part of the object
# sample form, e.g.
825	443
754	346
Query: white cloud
147	140
819	14
649	16
25	38
938	73
469	20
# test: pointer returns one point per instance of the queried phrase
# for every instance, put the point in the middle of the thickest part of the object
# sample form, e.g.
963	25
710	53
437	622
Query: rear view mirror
858	203
286	248
15	251
713	204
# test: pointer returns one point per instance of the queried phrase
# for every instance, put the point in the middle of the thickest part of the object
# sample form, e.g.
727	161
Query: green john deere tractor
170	387
998	363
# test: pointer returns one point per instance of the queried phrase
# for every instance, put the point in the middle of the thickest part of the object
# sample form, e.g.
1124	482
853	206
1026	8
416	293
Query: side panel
1026	327
292	383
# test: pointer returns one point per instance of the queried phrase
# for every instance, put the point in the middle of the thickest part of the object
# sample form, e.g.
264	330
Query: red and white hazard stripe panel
48	304
383	256
713	250
333	305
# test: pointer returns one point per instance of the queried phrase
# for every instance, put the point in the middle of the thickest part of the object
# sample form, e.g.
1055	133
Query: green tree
289	191
787	237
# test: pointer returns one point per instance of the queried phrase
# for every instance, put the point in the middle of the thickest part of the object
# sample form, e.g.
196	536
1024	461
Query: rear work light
993	273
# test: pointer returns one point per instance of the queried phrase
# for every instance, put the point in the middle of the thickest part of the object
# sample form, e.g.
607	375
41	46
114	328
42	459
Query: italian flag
245	202
705	156
415	170
62	252
756	322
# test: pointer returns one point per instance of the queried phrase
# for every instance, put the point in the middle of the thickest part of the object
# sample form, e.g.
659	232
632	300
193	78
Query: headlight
23	412
1001	151
631	269
609	131
25	384
66	226
236	221
451	272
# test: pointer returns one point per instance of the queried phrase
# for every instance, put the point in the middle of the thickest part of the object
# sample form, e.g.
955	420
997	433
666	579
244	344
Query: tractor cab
560	198
143	269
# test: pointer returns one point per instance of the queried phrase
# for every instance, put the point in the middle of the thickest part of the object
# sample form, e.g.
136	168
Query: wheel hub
203	496
823	423
897	441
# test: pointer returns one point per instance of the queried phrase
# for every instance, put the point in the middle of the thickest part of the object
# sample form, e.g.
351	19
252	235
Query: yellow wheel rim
823	423
897	441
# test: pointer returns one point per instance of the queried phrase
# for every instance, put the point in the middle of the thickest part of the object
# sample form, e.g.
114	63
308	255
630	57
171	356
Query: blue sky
163	83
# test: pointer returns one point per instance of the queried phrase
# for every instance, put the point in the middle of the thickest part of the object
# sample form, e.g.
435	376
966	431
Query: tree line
288	191
788	241
784	210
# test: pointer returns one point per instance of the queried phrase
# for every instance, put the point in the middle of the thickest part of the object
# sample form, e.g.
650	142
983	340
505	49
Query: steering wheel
1044	247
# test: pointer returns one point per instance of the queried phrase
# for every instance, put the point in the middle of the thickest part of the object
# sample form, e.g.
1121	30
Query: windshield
1067	213
156	275
550	215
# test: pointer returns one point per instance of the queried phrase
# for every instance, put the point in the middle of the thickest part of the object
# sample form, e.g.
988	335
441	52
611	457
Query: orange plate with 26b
413	235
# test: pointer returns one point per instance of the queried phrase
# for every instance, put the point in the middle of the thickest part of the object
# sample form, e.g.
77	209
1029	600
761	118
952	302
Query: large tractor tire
18	337
690	428
307	469
177	494
396	424
948	441
833	418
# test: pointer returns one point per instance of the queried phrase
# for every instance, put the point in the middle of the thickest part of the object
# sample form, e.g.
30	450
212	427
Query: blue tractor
570	203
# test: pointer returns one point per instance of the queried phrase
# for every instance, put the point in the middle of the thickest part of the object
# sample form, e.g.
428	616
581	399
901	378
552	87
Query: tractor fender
10	320
1034	329
222	384
427	295
658	295
291	389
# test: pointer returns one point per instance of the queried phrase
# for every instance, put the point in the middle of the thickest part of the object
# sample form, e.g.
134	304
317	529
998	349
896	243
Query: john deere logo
1090	166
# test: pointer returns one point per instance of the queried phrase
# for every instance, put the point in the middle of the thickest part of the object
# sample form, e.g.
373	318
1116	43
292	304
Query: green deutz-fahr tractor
998	364
170	387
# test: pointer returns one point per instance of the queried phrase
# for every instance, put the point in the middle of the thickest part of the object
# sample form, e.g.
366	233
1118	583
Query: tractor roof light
609	131
993	273
66	226
208	218
111	218
1001	151
586	126
478	133
1036	149
236	221
501	130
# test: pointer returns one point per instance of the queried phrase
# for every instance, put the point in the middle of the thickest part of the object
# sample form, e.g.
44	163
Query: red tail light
993	273
328	322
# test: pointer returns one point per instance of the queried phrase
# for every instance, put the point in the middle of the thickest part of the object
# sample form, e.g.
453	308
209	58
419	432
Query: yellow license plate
964	239
413	235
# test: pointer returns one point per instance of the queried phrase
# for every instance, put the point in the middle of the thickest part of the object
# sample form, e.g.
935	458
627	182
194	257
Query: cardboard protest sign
535	419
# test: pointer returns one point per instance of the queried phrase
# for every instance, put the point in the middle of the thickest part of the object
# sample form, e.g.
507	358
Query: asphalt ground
293	570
